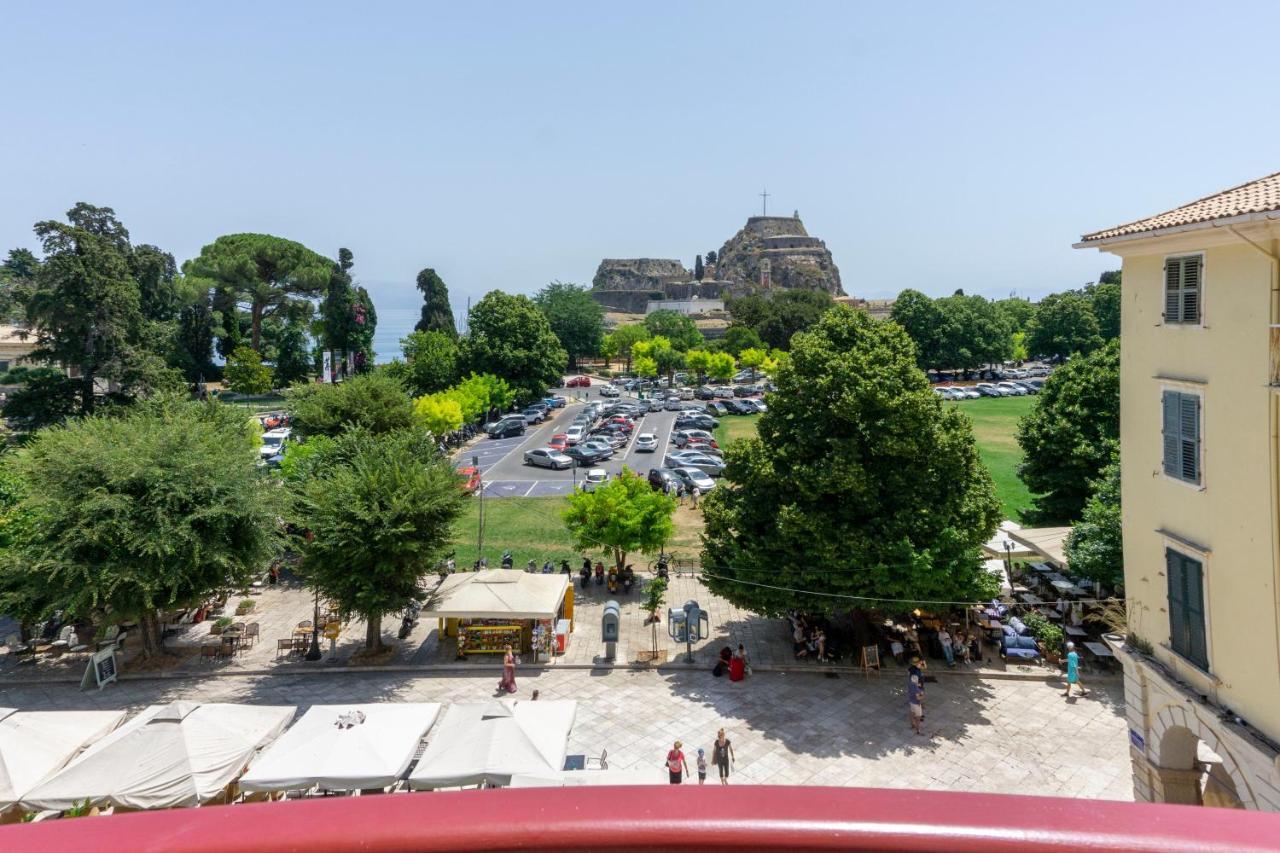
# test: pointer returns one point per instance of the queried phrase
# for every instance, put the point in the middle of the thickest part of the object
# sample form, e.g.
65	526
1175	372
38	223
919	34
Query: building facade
1200	484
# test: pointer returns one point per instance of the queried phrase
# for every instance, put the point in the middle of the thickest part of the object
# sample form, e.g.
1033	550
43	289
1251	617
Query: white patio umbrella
582	778
343	748
490	742
181	754
36	744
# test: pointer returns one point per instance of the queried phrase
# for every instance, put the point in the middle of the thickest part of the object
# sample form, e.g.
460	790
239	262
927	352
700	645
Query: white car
692	477
574	434
609	391
646	442
273	442
1011	390
545	457
673	404
595	477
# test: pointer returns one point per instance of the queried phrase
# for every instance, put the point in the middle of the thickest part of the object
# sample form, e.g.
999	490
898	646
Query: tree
285	345
1095	547
777	318
753	358
698	270
17	279
1104	298
432	359
47	397
626	337
155	507
268	275
666	360
675	327
1064	325
1018	347
374	402
711	256
483	395
1072	432
739	337
439	413
1018	312
348	319
192	350
973	333
245	373
1110	277
860	483
576	319
623	516
646	367
608	350
377	522
698	360
509	337
922	320
156	273
437	316
720	366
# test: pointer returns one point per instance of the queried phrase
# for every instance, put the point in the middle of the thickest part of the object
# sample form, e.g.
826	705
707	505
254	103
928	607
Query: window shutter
1191	290
1193	593
1189	432
1172	439
1173	290
1177	607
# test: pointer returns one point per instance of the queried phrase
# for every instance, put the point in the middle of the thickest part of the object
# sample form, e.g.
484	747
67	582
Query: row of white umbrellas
184	754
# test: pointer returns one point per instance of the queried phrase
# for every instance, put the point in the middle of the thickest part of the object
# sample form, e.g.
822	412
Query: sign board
327	373
101	668
870	659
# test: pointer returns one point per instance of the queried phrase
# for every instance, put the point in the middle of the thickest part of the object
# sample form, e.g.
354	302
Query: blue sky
932	146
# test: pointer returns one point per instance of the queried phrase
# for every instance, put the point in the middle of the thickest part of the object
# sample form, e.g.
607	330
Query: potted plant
245	606
1051	636
220	623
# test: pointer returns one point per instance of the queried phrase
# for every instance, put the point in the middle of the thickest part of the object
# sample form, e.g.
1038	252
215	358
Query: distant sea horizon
394	324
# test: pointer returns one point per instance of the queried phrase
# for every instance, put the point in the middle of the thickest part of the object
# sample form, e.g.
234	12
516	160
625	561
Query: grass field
734	427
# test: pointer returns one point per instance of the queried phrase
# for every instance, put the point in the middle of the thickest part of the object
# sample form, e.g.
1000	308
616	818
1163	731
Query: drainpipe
1273	367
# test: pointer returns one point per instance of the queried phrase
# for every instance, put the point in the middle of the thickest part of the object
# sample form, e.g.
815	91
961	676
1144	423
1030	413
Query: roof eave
1220	222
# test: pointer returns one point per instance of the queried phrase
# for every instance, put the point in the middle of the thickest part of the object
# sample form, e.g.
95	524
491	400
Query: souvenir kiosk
487	610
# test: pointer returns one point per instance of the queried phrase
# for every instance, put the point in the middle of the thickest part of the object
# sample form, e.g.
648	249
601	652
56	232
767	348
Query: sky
935	146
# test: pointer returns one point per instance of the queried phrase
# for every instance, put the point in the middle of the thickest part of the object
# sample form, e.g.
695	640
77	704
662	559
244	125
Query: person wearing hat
702	766
915	695
676	765
1073	671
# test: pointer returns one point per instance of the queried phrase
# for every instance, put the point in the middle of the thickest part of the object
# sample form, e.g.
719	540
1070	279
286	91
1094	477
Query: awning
490	742
498	594
36	744
343	748
654	775
1001	545
1048	542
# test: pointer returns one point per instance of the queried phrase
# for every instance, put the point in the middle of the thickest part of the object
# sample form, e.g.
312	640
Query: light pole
475	461
314	652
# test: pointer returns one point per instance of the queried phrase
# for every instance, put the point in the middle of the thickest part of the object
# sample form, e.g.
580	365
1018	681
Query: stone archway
1177	768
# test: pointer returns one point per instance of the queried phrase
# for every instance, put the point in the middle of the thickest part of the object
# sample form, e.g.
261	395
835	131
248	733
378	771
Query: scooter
585	574
613	581
507	560
410	619
564	567
531	567
628	578
663	572
599	574
548	568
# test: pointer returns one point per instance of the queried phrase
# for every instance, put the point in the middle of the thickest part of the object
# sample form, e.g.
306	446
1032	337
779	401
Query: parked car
273	442
1037	384
681	437
533	415
708	464
685	393
659	477
556	401
673	404
696	420
724	391
609	391
745	390
470	479
739	407
578	382
692	478
574	434
595	477
654	404
717	409
646	442
1012	389
612	437
559	442
986	389
755	403
1025	385
545	457
506	427
706	392
588	454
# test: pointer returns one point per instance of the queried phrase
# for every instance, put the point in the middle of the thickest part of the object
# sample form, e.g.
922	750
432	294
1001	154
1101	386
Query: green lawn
734	427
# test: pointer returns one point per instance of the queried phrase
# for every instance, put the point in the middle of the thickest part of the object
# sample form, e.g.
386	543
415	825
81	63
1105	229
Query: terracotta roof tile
1257	196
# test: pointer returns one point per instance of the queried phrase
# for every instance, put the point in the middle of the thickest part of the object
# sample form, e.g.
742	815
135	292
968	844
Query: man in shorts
915	696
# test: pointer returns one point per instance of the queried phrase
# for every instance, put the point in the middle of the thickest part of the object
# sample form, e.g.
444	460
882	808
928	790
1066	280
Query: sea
394	324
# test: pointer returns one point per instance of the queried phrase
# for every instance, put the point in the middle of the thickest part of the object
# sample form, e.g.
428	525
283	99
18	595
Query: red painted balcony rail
688	818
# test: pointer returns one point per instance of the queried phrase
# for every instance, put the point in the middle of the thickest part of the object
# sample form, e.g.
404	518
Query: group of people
721	756
734	663
675	489
965	648
809	639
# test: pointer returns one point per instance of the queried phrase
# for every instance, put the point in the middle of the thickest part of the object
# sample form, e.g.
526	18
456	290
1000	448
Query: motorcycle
613	581
410	619
531	567
585	574
548	568
663	572
564	567
599	574
507	560
628	579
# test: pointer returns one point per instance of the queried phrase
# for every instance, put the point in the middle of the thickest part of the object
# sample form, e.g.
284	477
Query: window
1182	289
1182	436
1186	607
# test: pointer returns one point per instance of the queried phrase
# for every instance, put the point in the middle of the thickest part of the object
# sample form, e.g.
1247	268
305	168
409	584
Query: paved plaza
1006	736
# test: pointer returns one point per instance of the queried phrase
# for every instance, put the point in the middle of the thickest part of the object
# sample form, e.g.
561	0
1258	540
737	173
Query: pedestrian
676	765
680	494
702	766
695	494
915	696
508	682
944	639
1073	671
722	756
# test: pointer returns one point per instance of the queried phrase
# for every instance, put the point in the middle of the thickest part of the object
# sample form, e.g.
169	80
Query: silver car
646	442
545	457
707	464
693	478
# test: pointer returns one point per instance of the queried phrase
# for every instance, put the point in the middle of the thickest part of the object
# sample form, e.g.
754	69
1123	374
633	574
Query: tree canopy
157	506
776	318
510	338
1072	432
379	515
1104	298
622	517
431	359
348	318
739	337
1064	325
860	483
437	316
245	373
1095	547
954	332
623	338
675	327
376	402
576	319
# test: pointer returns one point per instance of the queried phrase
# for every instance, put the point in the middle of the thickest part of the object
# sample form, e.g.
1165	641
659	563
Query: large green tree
155	507
622	517
860	483
376	402
626	337
285	345
1064	325
509	337
1095	548
437	316
1072	432
675	327
576	318
777	317
431	361
348	318
1017	312
266	275
17	278
974	333
1104	298
922	320
377	521
739	337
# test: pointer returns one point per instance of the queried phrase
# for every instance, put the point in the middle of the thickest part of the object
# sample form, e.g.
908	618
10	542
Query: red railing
689	818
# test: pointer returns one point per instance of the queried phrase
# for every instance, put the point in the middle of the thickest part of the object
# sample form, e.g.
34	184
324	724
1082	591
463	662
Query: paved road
501	461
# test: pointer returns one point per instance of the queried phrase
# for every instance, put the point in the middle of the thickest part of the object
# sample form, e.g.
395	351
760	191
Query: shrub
245	373
245	606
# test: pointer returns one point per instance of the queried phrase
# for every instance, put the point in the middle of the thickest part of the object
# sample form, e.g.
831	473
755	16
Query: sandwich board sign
101	668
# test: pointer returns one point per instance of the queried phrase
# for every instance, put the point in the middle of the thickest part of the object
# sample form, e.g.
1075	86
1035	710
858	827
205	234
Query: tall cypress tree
437	316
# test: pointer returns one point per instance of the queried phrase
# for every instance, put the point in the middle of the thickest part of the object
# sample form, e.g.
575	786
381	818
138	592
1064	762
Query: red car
470	479
578	382
559	442
622	422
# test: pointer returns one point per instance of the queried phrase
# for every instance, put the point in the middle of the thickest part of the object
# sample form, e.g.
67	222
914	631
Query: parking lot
505	474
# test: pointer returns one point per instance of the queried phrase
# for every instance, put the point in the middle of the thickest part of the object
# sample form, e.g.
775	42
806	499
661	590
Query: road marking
532	486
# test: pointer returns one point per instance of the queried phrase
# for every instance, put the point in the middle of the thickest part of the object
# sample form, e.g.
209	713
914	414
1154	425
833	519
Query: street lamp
314	652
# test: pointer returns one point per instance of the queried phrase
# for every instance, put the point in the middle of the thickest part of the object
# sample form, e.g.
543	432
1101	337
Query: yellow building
1200	480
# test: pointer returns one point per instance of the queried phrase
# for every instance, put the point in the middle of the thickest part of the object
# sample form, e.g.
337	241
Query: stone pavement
996	736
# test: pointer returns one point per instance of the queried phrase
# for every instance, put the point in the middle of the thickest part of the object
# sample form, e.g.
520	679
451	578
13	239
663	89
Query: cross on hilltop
764	196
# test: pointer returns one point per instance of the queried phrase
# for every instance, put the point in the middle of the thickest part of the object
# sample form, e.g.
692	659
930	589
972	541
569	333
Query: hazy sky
508	144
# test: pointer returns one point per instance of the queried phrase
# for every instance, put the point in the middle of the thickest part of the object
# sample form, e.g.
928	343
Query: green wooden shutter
1190	290
1189	437
1173	290
1177	607
1193	595
1172	438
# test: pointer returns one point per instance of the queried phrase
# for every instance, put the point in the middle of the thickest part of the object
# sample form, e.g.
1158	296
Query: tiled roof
1257	196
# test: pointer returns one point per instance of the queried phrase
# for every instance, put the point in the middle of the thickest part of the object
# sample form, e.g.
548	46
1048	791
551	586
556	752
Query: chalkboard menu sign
101	669
870	659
